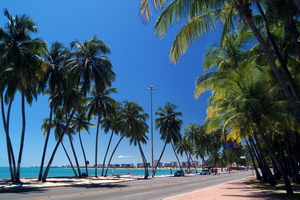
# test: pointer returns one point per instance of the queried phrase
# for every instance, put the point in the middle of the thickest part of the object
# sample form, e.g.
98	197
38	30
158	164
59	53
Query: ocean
32	172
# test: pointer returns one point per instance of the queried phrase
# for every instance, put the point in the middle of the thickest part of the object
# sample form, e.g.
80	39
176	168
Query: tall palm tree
132	123
101	104
79	123
88	67
169	127
205	16
21	58
245	100
54	59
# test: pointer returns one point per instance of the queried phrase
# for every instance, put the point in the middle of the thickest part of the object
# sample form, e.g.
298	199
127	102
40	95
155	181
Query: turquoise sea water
32	172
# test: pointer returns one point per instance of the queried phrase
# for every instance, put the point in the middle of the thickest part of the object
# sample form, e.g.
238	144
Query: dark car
205	172
179	173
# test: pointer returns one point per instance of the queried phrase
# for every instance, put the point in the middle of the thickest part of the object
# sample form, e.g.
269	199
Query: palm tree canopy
131	120
90	66
168	124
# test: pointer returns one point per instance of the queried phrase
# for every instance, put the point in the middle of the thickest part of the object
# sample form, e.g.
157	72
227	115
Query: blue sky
139	59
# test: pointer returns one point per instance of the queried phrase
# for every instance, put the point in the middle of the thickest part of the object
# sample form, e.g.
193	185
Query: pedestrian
215	171
128	171
170	171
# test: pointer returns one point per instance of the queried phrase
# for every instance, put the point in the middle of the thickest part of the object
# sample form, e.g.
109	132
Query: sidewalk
230	191
235	190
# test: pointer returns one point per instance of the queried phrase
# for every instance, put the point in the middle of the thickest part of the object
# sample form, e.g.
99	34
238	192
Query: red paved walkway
230	191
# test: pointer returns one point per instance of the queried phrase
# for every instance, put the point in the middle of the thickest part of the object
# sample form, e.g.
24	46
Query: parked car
205	172
179	173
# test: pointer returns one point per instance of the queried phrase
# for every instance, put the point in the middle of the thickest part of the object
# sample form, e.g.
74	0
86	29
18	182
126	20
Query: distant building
127	165
174	164
195	163
159	165
168	165
141	165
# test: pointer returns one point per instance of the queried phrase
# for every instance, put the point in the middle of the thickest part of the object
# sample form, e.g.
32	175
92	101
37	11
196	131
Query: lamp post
151	118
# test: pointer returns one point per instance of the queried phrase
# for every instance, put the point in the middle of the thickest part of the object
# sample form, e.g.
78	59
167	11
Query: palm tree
5	121
101	105
79	123
131	122
184	146
241	101
107	124
58	125
201	143
88	68
169	127
54	59
20	57
205	16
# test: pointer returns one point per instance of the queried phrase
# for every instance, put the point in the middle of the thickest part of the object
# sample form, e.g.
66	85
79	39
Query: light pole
151	118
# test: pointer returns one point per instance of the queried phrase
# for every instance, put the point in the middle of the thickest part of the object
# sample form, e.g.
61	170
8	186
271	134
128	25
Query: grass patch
278	190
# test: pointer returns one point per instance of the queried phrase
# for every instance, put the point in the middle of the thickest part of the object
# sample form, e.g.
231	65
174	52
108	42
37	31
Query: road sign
231	145
228	146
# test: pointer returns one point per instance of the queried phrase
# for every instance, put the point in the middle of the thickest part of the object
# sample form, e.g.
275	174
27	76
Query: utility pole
151	118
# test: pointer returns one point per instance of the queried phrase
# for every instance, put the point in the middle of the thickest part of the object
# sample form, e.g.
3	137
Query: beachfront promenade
229	190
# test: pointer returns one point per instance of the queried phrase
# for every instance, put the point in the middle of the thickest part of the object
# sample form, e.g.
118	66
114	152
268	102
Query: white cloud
125	156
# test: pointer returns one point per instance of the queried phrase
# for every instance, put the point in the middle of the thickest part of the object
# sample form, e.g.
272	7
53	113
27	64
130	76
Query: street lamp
151	118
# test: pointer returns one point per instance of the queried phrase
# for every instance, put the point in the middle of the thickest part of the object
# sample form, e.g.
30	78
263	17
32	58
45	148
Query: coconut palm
88	67
205	16
58	125
54	59
21	58
131	122
107	124
169	127
184	146
101	104
201	143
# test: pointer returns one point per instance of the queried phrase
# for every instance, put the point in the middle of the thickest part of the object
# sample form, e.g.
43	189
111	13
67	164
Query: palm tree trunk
106	152
154	170
267	174
251	152
10	153
22	136
112	154
246	14
297	4
176	156
280	59
259	157
288	187
96	148
46	144
74	154
65	150
83	152
61	136
144	161
292	158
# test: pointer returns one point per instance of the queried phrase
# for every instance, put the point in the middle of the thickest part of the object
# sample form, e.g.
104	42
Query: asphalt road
157	188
